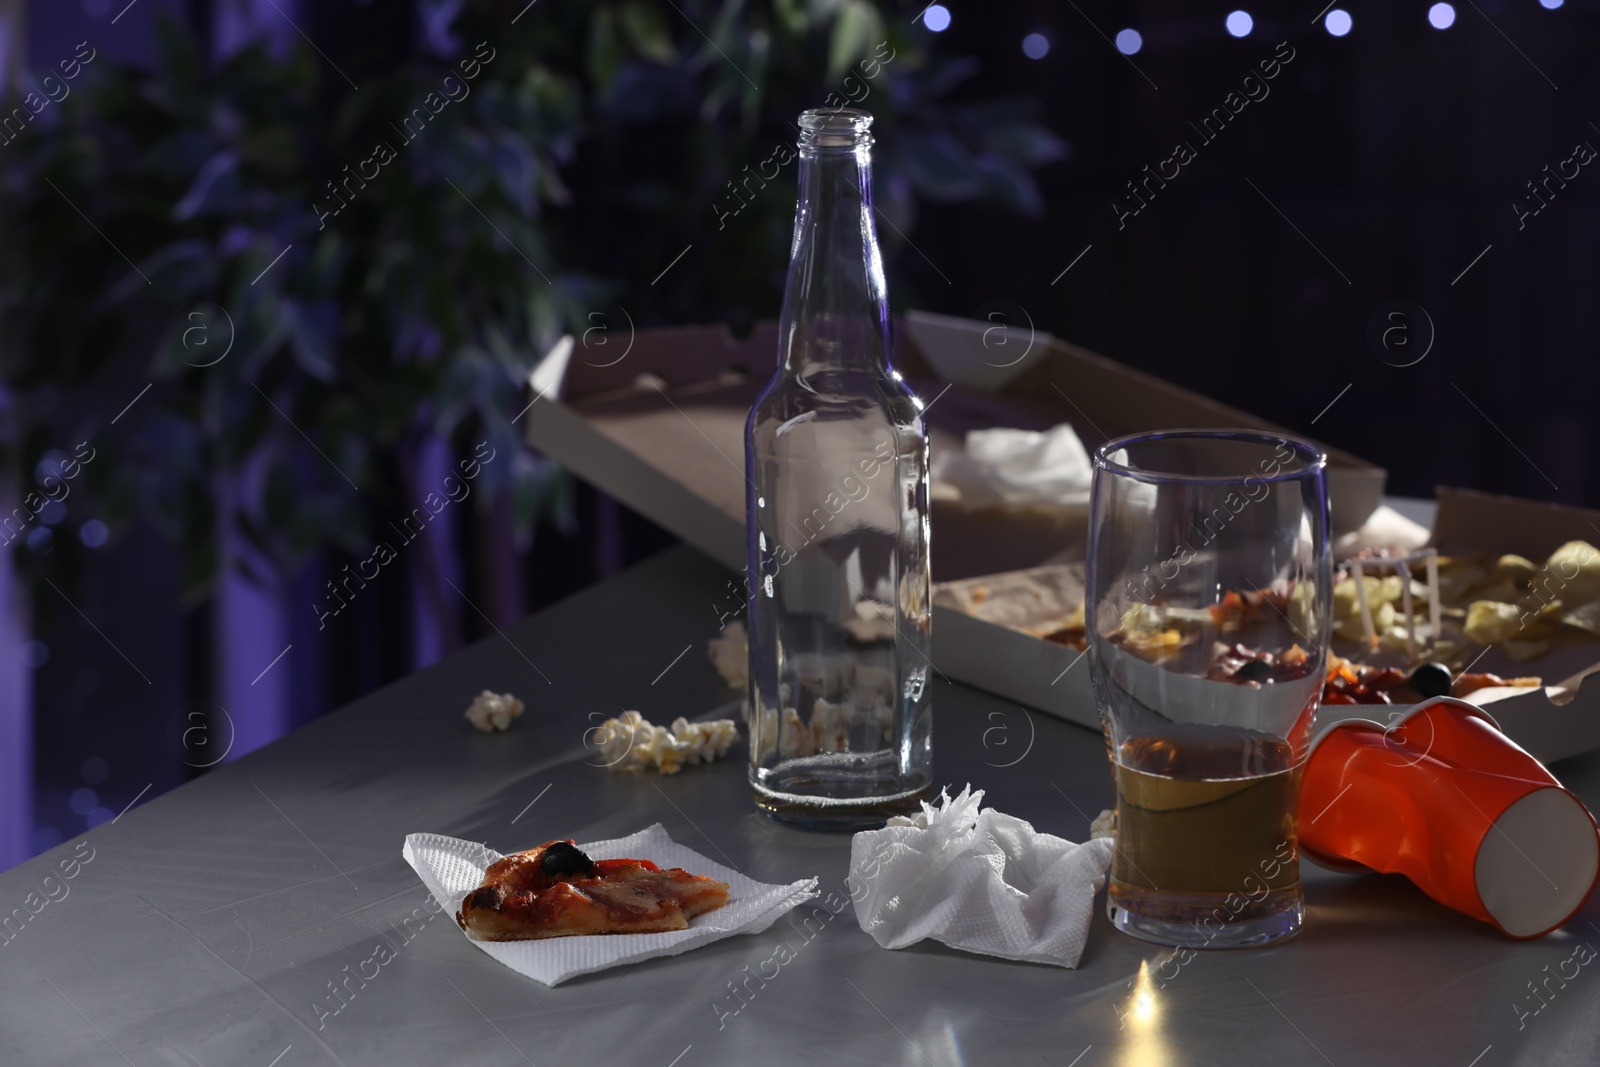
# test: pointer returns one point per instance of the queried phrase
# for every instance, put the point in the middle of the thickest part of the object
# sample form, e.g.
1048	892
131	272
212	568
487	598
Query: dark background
1398	150
1380	165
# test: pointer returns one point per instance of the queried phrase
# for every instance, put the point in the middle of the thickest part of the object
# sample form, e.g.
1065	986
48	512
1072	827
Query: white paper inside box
657	421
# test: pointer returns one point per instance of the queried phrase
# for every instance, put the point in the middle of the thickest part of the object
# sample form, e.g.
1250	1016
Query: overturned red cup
1444	798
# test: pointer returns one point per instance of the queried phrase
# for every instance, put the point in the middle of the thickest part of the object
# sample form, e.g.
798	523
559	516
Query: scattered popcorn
493	711
730	655
830	726
704	741
632	743
794	736
865	701
828	730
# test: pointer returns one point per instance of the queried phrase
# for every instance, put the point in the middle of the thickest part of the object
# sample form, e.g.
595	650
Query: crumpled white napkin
451	868
1384	528
980	881
1005	466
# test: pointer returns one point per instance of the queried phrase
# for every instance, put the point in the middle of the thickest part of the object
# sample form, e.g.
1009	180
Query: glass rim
1311	458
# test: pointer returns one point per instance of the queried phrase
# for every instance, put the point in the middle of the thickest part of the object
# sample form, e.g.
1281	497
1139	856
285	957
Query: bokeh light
83	801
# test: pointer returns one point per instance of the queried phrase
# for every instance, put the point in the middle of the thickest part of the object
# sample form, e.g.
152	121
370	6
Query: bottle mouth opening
835	127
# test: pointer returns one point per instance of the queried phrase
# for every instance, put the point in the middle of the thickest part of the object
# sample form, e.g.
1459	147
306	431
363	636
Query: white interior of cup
1538	862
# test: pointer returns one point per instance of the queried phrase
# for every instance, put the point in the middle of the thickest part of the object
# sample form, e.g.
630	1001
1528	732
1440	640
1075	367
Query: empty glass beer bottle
837	519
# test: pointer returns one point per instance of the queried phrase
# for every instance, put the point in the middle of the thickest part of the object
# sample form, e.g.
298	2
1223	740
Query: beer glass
1207	606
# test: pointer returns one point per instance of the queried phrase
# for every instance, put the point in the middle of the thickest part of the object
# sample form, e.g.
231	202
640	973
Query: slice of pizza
557	891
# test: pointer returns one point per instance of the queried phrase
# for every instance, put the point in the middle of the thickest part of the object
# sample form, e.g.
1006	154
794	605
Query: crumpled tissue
1018	467
451	868
980	881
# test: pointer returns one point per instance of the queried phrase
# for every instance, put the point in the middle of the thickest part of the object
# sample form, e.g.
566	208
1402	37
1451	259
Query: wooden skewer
1406	606
1361	598
1432	557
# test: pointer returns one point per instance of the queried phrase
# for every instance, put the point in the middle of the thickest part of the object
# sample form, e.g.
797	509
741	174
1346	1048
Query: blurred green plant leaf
605	47
857	29
647	32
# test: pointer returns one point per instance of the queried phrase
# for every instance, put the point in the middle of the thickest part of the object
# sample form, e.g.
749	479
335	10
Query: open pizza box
657	421
1561	717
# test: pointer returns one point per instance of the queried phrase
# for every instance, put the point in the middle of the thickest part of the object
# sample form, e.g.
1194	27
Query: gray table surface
210	921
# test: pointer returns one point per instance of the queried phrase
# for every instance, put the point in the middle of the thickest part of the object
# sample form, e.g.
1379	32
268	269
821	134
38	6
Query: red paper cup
1444	798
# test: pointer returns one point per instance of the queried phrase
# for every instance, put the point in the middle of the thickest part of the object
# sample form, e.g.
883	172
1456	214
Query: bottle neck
835	308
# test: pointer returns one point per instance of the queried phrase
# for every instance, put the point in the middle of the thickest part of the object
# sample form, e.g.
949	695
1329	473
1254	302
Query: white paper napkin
980	881
1005	466
1384	528
451	868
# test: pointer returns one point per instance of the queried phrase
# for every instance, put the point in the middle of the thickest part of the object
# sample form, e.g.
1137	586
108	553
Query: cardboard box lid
1488	522
660	424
